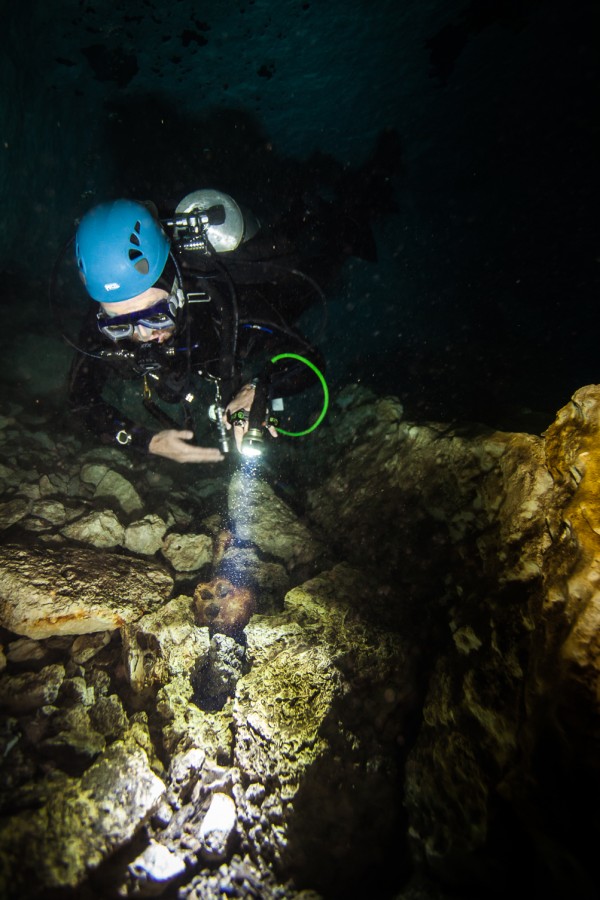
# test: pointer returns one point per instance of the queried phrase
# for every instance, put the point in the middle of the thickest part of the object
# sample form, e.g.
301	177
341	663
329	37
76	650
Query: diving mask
158	317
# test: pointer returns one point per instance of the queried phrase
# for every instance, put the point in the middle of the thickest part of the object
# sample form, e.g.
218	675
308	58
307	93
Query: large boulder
65	590
82	824
318	720
263	519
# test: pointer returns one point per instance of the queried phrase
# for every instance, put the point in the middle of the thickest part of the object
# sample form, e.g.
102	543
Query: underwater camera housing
211	221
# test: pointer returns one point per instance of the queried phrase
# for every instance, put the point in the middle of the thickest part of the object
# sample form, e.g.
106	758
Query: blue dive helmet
121	250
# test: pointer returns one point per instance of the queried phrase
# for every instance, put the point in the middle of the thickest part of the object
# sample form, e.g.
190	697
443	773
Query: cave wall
485	544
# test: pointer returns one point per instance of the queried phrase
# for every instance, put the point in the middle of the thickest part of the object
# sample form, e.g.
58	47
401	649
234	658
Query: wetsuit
236	322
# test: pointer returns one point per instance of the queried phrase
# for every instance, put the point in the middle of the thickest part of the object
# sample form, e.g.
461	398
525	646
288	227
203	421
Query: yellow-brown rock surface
497	535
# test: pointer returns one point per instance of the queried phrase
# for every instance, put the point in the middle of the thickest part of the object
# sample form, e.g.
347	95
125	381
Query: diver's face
142	334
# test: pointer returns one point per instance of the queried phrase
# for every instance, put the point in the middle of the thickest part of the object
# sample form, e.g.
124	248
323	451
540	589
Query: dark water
483	301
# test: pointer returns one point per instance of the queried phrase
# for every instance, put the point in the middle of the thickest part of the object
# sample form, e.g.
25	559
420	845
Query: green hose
319	375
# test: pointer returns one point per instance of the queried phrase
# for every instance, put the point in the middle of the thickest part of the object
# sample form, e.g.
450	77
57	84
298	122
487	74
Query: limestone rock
146	535
155	869
511	527
81	825
571	613
469	596
302	743
31	690
263	519
111	484
163	644
47	591
188	552
218	826
12	511
101	529
187	726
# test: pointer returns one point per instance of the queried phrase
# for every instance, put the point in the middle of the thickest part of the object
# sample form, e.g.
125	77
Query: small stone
255	793
44	439
108	717
76	690
146	535
45	487
31	491
101	529
217	827
86	646
188	552
26	692
13	511
93	473
115	486
185	770
25	650
155	869
163	815
50	511
7	474
73	736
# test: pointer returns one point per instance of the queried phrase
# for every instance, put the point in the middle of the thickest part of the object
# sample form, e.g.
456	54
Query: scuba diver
210	292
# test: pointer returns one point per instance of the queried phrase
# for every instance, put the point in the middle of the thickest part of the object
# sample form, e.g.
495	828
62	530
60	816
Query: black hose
229	329
258	410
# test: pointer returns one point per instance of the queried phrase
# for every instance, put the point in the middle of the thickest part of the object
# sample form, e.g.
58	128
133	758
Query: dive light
252	443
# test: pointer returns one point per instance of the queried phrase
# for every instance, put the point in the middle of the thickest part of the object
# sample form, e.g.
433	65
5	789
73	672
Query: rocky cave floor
212	686
132	765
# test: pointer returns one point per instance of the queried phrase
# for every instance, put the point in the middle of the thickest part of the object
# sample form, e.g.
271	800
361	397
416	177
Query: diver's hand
173	445
242	400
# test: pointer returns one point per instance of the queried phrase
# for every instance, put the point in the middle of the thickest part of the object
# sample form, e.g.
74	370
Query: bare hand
173	445
243	400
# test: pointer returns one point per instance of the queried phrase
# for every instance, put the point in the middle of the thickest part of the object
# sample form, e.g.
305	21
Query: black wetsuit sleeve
291	376
87	380
288	376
